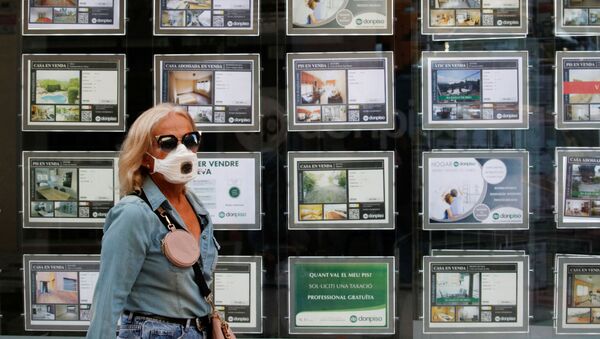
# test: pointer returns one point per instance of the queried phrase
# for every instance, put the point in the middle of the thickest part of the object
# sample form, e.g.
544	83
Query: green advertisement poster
341	293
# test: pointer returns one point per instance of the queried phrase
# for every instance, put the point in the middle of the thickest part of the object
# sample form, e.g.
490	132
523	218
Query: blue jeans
144	328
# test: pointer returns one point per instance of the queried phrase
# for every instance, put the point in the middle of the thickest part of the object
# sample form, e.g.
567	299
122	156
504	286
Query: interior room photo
190	87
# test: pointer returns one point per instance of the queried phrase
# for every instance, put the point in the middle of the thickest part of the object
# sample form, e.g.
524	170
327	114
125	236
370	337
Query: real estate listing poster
577	294
470	189
206	17
340	91
578	187
475	294
467	17
237	292
73	17
577	103
339	17
68	189
341	190
73	92
229	186
341	295
58	291
220	91
577	17
475	90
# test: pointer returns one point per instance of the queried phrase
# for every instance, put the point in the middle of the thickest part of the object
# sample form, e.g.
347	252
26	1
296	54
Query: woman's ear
148	162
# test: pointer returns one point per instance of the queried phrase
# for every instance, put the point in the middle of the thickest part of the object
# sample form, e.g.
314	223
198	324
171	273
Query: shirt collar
156	198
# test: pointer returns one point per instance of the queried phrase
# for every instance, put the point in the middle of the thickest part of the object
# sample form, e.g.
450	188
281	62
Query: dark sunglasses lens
191	140
167	143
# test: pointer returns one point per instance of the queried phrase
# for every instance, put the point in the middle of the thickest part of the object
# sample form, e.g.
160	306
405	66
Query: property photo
310	212
578	316
42	113
444	112
334	114
469	112
67	312
55	3
335	211
172	18
40	15
577	208
443	17
308	114
594	16
465	17
585	291
578	112
43	312
65	15
315	12
325	187
457	85
575	17
442	314
44	209
55	184
456	288
582	3
467	313
64	209
323	87
583	75
190	87
189	4
457	3
198	18
67	113
585	181
201	114
55	287
56	87
596	315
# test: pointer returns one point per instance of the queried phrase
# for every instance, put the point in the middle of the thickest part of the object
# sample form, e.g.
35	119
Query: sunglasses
169	142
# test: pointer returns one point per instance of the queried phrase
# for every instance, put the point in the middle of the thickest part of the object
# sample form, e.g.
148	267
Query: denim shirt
134	273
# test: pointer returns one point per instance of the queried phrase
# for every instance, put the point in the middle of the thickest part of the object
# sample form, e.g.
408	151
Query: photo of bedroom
57	184
323	87
585	291
190	87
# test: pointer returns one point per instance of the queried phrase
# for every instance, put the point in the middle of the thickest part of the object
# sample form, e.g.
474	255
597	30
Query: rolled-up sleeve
125	244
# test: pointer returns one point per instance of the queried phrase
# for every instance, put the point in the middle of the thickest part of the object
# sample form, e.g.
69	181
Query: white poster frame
119	10
66	223
257	157
560	122
387	124
253	30
389	190
254	58
522	58
522	262
512	153
390	261
311	31
26	90
28	260
559	187
256	280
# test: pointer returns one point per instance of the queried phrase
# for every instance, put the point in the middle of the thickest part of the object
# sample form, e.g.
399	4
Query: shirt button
204	237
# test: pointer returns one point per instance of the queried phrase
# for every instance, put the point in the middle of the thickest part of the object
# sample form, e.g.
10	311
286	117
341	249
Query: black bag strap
198	275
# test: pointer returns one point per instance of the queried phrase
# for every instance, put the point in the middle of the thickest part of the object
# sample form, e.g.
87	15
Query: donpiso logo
353	318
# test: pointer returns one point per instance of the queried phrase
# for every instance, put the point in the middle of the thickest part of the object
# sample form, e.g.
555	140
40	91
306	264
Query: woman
137	282
448	215
304	12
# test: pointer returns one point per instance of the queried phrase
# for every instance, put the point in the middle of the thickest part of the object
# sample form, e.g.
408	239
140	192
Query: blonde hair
139	141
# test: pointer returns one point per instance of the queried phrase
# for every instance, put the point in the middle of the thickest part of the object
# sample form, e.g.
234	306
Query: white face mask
179	166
